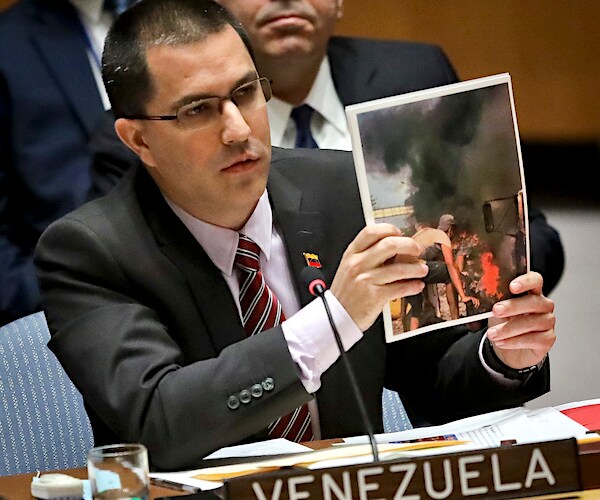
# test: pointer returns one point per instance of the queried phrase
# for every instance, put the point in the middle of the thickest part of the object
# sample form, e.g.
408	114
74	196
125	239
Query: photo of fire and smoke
446	170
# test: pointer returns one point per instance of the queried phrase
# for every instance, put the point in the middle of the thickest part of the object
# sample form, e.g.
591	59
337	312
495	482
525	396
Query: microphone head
314	280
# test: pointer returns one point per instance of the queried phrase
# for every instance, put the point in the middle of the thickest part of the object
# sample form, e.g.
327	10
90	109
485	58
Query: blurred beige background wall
551	48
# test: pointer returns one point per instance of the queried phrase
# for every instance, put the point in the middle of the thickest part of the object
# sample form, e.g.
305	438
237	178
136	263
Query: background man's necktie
260	311
117	6
301	116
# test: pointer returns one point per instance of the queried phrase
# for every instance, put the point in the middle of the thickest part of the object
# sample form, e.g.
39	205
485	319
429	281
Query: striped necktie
260	311
301	116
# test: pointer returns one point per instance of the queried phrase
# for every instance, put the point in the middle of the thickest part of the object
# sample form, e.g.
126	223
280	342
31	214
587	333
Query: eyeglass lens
246	97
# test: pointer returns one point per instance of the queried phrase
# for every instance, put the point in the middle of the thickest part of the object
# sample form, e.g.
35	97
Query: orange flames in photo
490	278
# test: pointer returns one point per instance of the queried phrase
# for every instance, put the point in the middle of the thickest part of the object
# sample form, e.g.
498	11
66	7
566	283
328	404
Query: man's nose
235	127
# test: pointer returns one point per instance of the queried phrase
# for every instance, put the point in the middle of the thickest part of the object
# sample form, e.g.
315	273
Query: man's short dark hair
150	23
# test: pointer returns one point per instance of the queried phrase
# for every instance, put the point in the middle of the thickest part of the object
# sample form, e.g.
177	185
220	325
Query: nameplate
506	472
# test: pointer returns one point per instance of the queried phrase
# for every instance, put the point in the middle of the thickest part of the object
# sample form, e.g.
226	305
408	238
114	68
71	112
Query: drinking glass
119	471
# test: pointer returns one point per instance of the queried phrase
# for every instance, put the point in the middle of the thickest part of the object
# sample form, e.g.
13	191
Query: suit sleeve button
245	396
257	390
233	402
268	384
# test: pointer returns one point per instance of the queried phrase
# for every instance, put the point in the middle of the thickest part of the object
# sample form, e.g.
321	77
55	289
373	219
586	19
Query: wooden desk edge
18	487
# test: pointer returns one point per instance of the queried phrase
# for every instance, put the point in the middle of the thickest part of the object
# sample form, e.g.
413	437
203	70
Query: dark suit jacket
146	327
49	104
365	69
362	70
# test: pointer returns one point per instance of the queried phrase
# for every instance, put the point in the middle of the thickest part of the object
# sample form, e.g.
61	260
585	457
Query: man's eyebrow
187	99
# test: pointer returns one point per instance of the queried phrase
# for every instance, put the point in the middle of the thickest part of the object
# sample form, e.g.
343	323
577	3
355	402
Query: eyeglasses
204	112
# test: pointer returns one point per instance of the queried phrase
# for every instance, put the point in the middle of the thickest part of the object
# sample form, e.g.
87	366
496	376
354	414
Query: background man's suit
362	70
133	302
49	105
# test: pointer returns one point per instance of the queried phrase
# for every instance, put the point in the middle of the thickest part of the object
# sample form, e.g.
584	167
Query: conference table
18	487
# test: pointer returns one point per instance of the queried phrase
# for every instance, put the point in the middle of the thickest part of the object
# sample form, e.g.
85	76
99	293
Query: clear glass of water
119	471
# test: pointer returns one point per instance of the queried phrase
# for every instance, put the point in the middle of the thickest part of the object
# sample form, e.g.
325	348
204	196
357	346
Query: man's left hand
522	328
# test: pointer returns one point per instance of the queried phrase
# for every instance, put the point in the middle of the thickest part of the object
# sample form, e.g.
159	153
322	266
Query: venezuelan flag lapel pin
312	260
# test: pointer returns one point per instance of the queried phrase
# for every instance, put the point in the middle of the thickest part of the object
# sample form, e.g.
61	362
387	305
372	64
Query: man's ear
131	132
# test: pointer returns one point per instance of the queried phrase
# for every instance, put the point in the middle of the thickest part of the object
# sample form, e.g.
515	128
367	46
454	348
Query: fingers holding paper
522	328
379	265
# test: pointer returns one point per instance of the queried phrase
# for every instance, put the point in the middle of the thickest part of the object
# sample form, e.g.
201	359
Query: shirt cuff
497	376
311	340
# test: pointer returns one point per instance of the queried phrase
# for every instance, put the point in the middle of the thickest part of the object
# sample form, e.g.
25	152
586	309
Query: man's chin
290	46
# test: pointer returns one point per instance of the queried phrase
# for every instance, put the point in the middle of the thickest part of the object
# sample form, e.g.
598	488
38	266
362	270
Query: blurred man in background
51	98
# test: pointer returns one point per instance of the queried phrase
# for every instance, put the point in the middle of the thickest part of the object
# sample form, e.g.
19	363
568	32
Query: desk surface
18	487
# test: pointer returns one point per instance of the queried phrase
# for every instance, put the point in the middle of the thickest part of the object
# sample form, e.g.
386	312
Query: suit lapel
302	231
210	291
350	80
60	39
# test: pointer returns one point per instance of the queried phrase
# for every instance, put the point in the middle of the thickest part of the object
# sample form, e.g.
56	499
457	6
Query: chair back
394	415
43	423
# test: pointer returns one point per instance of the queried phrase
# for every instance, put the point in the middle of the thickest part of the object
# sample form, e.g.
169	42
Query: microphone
314	281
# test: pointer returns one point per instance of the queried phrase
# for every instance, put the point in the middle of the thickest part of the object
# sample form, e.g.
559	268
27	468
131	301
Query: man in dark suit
147	302
293	45
50	101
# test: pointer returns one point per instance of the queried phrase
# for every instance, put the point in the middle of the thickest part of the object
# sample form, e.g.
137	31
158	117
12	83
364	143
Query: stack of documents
513	426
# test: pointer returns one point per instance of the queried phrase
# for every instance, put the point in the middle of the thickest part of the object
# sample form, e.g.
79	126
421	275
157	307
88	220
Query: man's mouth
284	19
242	162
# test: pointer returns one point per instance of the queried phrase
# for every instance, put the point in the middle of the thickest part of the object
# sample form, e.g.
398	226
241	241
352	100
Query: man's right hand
379	265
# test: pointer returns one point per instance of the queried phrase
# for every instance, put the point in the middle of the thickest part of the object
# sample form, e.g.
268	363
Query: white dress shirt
328	124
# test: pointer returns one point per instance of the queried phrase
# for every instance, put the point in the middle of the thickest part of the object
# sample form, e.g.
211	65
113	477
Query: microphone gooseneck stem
353	383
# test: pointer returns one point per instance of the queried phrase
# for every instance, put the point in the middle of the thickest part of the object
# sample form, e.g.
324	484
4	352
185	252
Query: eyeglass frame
265	84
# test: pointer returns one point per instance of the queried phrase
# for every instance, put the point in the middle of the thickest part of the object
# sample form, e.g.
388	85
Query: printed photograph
444	166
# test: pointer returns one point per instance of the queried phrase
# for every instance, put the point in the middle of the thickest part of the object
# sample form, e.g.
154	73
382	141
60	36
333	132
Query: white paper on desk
578	404
342	462
549	424
278	446
270	447
456	427
186	477
490	429
346	461
346	454
383	456
528	426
